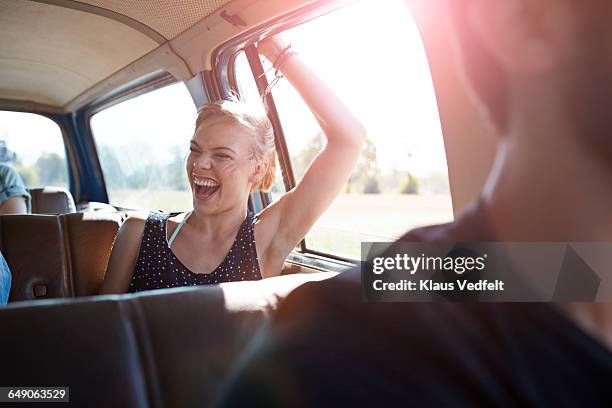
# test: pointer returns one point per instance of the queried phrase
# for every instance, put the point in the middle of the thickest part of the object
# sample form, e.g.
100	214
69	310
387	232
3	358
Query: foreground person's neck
554	194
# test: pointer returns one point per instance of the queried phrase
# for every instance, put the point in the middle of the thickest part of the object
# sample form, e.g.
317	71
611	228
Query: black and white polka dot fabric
157	267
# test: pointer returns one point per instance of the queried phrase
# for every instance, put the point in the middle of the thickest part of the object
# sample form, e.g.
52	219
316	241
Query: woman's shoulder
137	220
174	220
134	222
174	217
149	215
141	223
138	217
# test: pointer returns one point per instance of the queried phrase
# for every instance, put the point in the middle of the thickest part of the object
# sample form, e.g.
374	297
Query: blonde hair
257	122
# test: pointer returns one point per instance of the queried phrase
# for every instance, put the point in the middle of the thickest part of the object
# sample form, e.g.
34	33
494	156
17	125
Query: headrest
51	200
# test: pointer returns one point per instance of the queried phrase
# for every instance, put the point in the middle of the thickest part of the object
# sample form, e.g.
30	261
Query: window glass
382	74
34	146
247	89
142	144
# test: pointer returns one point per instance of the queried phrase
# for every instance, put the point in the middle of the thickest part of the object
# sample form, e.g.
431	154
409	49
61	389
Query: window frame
59	120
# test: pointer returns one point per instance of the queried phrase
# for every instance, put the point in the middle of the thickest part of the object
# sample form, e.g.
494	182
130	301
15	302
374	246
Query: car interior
75	63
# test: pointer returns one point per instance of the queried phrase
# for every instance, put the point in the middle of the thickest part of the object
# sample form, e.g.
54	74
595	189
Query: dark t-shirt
327	347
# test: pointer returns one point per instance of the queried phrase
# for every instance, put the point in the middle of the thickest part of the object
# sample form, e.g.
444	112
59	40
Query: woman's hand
271	48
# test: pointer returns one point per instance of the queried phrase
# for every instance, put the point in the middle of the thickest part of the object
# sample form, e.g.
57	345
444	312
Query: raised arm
294	214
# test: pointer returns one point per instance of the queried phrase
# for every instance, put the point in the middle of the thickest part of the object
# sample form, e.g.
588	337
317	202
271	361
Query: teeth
205	182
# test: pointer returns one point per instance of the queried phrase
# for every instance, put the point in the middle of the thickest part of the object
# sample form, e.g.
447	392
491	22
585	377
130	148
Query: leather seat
33	246
84	345
57	255
51	200
165	348
90	237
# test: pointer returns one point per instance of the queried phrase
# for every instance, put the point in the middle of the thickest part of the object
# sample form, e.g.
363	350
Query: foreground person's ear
524	36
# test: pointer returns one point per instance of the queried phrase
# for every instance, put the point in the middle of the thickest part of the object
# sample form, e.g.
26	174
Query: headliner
53	51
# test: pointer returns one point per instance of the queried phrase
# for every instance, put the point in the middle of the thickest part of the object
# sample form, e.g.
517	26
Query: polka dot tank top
157	267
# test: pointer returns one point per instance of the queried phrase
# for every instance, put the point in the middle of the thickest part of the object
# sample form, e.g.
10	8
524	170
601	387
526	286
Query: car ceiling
53	51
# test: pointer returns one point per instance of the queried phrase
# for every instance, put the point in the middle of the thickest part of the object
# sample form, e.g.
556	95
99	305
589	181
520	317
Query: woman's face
220	166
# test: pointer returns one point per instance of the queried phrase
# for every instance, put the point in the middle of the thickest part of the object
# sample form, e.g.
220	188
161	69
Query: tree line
123	168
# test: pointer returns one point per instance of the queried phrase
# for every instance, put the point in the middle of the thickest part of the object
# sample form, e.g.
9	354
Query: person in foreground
541	71
232	154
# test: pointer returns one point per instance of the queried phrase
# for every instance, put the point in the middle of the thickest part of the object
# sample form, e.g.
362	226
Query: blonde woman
232	154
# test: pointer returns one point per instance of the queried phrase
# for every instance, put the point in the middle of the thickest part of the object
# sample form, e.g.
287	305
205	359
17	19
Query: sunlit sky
371	56
30	135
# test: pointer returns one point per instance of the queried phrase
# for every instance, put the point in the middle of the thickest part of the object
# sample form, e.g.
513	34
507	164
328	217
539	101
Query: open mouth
205	187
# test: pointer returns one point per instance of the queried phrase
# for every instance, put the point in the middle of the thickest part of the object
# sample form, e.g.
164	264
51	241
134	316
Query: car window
247	90
33	144
382	74
142	144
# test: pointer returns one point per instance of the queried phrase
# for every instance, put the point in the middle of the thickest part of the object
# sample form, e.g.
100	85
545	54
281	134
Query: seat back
33	246
164	348
51	200
90	238
57	255
81	345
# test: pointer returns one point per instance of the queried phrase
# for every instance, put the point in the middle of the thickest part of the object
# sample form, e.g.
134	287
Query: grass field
352	218
357	218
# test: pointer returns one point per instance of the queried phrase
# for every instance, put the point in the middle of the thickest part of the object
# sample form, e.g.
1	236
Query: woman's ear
257	175
524	36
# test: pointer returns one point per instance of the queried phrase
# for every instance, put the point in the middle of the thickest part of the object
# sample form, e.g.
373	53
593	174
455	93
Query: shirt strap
176	231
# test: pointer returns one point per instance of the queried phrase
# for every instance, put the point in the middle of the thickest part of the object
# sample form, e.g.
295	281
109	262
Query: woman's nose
203	162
